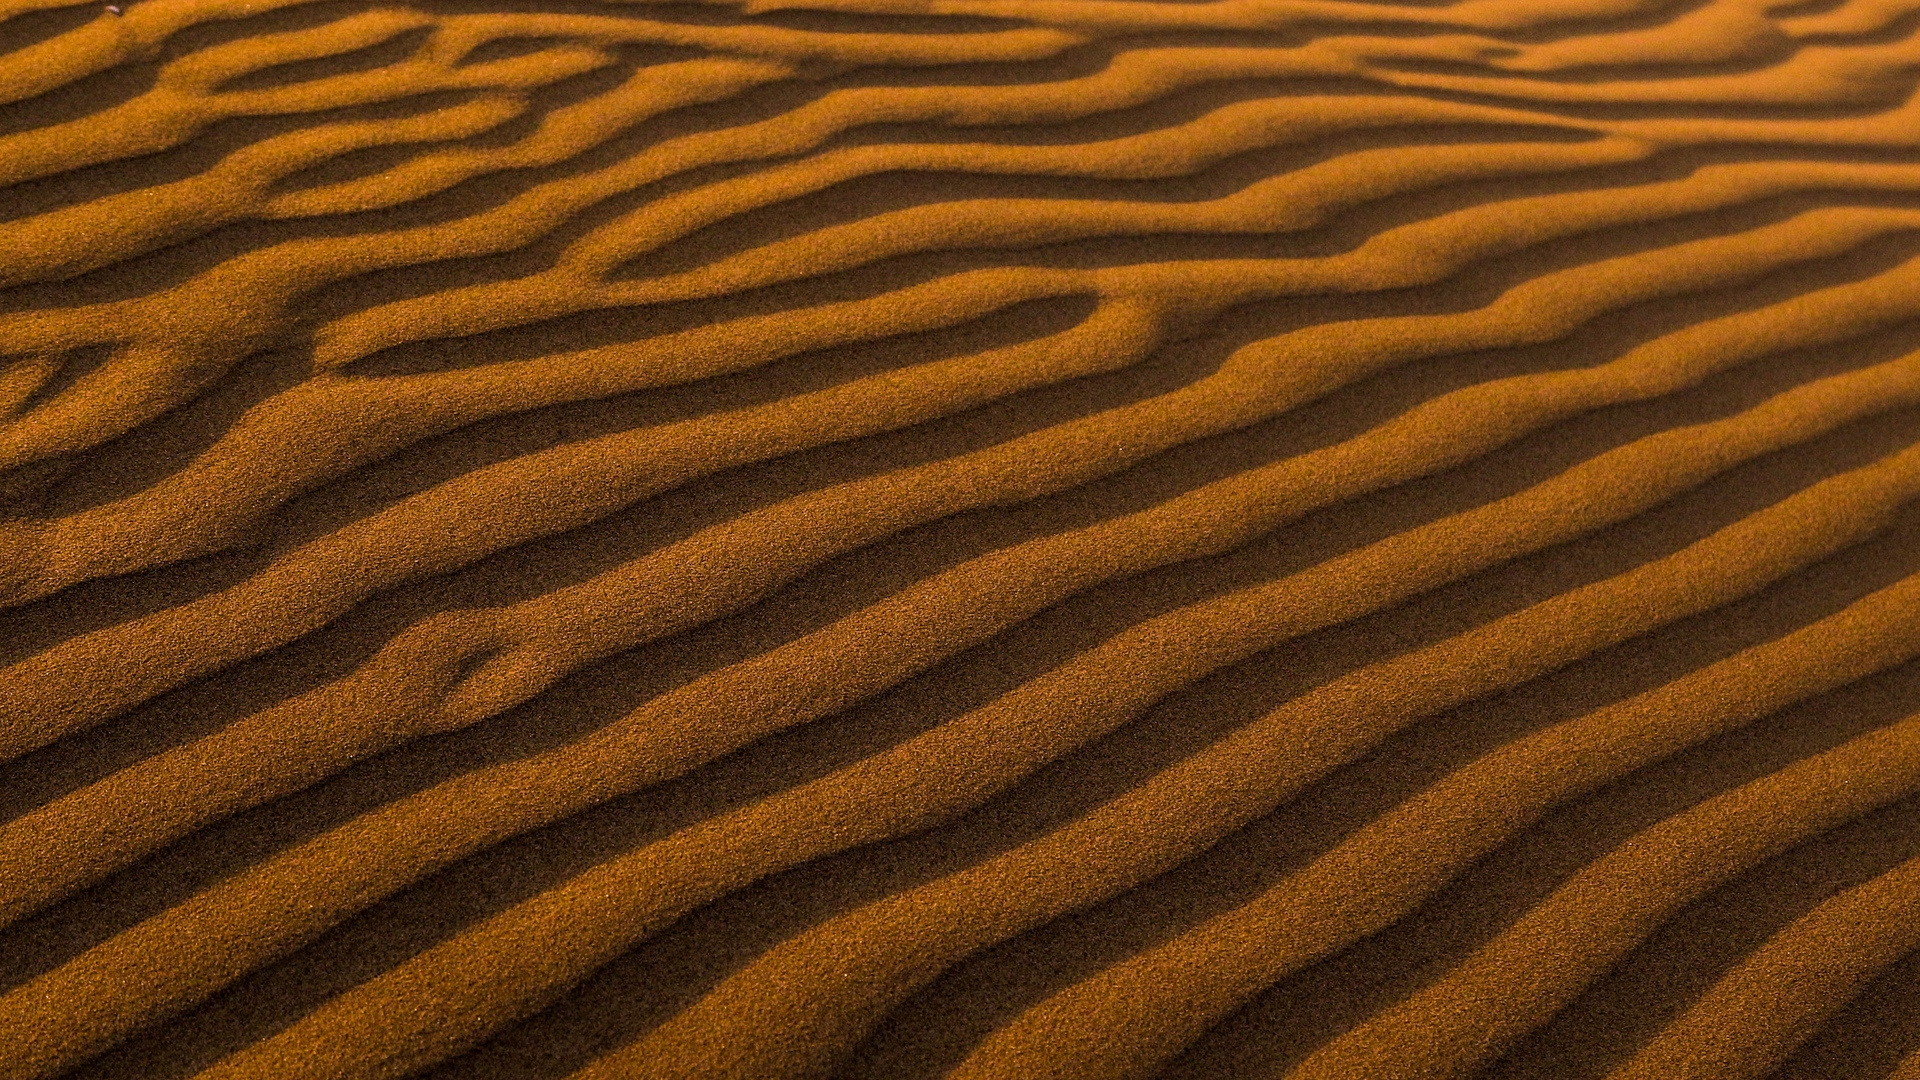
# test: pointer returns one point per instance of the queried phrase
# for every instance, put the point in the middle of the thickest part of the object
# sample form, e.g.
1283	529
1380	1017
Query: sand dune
975	538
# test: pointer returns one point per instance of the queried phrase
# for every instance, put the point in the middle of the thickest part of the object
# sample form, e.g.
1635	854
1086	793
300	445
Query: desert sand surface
989	539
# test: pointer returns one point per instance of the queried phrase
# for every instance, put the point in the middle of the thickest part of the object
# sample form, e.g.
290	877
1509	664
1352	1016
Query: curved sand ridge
976	538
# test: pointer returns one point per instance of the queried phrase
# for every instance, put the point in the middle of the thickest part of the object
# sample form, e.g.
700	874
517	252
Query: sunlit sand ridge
960	538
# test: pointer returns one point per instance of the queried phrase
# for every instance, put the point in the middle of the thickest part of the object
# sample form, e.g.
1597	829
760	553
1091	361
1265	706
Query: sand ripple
973	538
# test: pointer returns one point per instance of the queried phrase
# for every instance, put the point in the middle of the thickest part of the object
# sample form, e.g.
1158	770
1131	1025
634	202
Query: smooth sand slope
967	538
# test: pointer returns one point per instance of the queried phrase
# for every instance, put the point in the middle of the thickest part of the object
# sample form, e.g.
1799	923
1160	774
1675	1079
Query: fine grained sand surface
968	538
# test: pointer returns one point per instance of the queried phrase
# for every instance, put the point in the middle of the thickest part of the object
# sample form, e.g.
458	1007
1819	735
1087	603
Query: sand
988	539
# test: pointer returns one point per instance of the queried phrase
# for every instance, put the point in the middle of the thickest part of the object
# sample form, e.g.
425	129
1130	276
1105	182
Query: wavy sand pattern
973	538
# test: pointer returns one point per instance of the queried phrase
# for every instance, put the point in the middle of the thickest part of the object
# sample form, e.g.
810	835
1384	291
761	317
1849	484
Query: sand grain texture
984	539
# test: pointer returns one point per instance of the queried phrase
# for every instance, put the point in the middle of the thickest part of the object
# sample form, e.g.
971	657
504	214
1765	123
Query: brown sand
974	538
